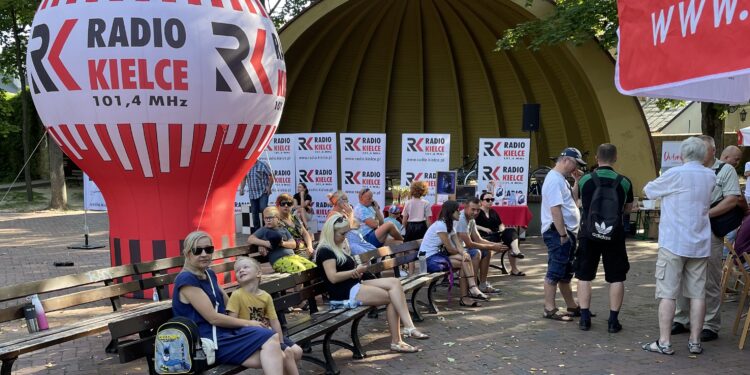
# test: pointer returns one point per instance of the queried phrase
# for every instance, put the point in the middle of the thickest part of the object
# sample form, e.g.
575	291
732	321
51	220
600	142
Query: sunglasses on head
286	204
198	250
338	220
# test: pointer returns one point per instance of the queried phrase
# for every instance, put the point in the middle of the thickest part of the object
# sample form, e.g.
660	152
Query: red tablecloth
514	216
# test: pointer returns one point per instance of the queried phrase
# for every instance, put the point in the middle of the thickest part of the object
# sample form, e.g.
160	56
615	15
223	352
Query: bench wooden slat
64	282
386	251
320	328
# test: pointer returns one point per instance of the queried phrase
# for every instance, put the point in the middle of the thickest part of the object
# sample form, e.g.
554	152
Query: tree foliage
281	11
575	21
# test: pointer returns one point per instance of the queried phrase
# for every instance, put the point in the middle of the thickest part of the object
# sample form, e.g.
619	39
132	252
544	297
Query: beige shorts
675	274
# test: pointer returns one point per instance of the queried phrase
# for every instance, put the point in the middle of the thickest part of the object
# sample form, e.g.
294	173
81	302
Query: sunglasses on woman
286	204
488	199
199	250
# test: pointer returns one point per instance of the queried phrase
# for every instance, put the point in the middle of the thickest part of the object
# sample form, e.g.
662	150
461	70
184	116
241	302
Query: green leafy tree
579	21
281	11
16	17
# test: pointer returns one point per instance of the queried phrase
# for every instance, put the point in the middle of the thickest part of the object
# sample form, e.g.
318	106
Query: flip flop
553	315
520	273
480	297
403	347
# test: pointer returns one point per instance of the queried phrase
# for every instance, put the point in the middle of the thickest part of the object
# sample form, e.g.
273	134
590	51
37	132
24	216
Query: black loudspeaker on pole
531	117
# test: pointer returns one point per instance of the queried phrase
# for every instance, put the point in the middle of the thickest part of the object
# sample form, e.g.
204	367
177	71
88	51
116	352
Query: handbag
723	224
211	346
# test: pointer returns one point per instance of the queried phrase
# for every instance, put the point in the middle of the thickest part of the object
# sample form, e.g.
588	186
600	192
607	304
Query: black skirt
415	230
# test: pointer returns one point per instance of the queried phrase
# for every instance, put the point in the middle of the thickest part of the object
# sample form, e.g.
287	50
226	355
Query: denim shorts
473	253
559	257
372	238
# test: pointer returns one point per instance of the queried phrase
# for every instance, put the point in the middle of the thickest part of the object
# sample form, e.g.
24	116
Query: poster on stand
280	156
92	198
504	169
670	155
315	163
422	156
363	165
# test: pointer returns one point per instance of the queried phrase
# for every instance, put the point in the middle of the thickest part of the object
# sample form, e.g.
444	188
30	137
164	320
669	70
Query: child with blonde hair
249	302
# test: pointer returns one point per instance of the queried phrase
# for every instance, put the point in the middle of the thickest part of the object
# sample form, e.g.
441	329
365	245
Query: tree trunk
19	55
712	124
59	194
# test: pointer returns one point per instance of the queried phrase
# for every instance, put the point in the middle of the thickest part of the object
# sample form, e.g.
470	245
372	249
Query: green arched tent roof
428	66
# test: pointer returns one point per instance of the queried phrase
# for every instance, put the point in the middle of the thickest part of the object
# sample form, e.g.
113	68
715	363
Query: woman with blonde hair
345	280
356	242
199	298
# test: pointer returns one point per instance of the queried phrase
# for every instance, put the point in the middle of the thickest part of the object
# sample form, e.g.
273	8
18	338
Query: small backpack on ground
177	348
603	221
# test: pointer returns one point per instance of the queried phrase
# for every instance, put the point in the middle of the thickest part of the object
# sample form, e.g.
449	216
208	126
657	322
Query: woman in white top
416	214
440	249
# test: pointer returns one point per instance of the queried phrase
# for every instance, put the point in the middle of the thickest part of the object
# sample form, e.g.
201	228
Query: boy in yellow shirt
251	303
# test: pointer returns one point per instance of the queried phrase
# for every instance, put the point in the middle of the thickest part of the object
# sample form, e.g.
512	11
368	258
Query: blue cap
575	154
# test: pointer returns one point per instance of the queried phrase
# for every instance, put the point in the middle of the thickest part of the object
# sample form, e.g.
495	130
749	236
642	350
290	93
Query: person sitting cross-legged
345	280
373	226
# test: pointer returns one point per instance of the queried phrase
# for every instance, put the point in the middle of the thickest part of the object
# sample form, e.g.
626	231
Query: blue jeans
730	237
559	257
256	209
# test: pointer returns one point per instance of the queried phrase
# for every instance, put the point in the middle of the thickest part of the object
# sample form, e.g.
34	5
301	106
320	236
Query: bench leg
8	366
331	368
415	315
432	308
502	268
357	352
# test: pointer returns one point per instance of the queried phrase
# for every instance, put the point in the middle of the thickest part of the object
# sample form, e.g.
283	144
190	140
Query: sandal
414	333
518	255
576	312
490	289
695	347
655	347
479	296
552	314
519	273
472	304
403	347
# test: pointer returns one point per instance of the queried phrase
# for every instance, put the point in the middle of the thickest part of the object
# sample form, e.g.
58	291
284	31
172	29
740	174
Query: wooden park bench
108	284
314	329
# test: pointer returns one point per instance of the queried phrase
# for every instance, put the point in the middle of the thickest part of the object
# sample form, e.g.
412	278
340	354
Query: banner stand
86	245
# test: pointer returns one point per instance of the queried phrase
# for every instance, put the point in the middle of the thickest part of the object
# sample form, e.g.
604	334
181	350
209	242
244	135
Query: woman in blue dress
198	297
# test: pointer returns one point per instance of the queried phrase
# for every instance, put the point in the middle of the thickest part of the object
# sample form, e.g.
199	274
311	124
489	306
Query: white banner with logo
316	159
422	156
670	155
363	165
281	158
92	198
504	169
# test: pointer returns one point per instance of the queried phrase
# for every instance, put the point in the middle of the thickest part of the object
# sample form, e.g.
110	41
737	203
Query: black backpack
603	220
177	348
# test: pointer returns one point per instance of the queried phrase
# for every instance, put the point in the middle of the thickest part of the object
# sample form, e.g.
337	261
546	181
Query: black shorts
415	230
506	237
614	257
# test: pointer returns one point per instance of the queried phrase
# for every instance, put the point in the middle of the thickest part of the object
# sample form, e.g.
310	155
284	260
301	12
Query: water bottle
155	296
29	313
422	256
512	199
345	304
41	317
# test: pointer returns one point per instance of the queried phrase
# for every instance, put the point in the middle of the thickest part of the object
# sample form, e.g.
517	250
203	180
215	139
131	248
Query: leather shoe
614	327
708	335
584	325
678	328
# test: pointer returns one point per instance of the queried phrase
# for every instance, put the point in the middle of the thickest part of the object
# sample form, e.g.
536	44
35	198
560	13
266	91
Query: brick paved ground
507	336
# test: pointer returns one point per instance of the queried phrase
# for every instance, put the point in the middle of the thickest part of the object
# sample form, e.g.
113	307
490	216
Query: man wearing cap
560	221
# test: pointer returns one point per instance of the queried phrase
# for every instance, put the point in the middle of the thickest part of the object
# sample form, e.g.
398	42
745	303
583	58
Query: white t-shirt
431	241
417	209
747	167
556	191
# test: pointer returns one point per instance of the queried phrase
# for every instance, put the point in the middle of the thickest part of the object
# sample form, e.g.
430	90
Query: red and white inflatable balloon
164	103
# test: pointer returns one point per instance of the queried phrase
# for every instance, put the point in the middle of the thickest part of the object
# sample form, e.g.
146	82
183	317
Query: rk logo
491	173
411	177
491	148
305	144
351	144
414	144
351	177
307	176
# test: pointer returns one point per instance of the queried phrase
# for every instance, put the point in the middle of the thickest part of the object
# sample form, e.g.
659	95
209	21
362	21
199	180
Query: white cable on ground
44	136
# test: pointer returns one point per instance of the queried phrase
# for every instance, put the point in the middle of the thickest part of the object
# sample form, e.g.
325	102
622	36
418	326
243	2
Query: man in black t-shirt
613	253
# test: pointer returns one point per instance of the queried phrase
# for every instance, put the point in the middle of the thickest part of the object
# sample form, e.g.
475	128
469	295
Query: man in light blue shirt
372	226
